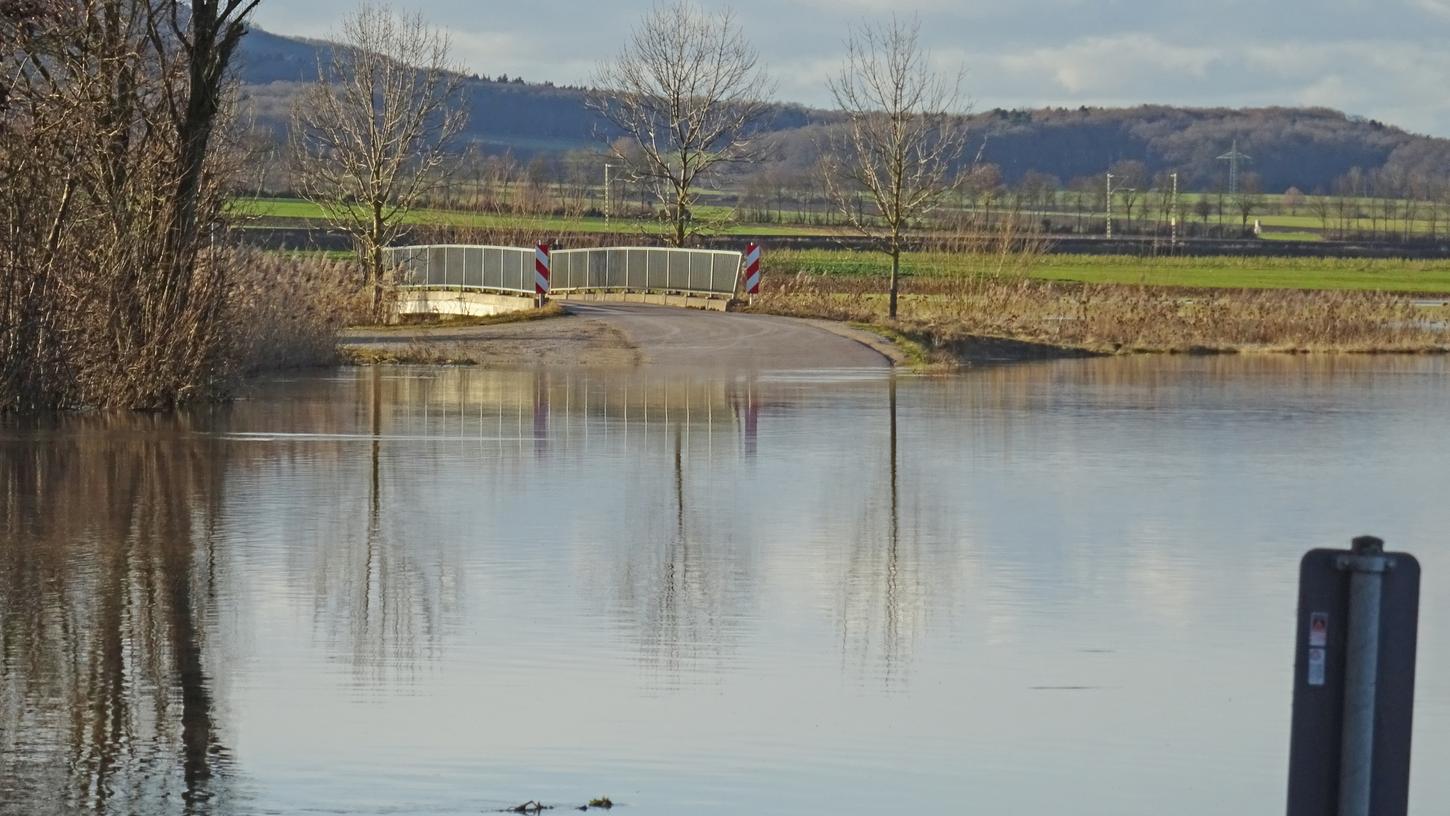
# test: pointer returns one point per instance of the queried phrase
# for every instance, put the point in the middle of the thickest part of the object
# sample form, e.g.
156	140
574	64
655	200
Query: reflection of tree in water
380	583
681	582
106	692
883	596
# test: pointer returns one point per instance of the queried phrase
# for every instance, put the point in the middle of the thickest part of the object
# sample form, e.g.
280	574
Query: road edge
893	353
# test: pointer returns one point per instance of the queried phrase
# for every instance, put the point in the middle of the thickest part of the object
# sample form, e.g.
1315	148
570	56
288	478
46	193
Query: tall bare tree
689	93
113	175
1247	200
370	138
903	137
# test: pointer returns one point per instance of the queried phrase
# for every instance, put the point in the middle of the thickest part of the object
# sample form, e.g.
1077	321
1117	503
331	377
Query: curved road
601	334
666	336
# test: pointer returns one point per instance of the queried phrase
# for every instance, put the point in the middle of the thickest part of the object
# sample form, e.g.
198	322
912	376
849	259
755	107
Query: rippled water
1056	588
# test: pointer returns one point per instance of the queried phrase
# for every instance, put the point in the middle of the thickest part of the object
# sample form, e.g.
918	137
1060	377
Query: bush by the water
118	153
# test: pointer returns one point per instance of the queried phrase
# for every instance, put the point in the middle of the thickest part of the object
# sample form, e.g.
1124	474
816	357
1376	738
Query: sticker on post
1319	629
1316	667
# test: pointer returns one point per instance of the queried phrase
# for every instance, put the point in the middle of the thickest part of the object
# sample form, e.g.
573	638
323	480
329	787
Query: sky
1383	59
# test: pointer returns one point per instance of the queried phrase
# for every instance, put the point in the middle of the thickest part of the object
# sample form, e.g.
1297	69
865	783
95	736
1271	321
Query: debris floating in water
535	806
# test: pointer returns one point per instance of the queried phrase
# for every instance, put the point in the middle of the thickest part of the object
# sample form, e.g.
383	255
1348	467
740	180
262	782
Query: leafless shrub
113	170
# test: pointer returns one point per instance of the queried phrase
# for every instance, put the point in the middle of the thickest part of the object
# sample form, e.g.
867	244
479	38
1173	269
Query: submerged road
626	334
666	336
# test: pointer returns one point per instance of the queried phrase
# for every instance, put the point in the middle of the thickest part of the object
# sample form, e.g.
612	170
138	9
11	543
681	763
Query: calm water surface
1053	589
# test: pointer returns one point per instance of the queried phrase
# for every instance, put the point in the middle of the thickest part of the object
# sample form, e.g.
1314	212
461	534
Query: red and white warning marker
752	269
541	270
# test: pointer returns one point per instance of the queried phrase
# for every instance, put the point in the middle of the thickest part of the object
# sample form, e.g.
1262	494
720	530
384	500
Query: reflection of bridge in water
685	458
535	407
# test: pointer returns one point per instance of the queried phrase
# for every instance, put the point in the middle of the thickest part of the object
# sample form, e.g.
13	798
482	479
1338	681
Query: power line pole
1110	207
1234	157
1173	215
607	191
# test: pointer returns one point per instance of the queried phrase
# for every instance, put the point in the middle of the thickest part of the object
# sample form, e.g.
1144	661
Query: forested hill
1308	148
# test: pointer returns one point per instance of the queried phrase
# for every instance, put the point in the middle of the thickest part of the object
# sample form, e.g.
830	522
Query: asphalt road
665	336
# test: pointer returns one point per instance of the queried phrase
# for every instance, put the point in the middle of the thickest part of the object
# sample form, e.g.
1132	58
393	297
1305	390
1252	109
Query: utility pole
607	189
1110	206
1173	215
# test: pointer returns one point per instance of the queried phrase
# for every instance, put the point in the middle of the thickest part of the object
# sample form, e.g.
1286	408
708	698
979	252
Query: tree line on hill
1312	149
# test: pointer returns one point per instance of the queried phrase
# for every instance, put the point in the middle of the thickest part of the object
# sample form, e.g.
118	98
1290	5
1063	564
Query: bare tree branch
370	139
904	136
688	92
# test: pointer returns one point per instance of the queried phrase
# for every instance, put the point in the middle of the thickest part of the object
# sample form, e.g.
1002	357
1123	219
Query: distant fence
713	273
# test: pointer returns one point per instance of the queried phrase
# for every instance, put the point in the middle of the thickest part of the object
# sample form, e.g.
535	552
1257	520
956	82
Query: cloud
1384	60
1439	8
1112	66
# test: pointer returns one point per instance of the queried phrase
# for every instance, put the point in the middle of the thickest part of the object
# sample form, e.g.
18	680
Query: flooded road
1051	588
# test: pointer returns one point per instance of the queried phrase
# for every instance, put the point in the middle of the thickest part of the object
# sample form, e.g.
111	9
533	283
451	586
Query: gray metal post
1173	217
1356	754
1110	206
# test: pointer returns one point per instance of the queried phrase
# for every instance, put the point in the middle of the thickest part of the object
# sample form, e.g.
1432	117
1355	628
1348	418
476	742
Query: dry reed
1116	318
286	311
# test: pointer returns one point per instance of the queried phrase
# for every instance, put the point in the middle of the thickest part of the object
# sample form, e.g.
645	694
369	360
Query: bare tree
1130	180
371	136
903	135
114	167
1246	201
1203	208
689	94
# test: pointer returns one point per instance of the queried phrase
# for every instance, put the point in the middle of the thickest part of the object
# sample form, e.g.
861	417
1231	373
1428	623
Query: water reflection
882	603
106	582
448	590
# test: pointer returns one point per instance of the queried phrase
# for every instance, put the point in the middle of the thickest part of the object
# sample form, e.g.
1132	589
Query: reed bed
1111	318
286	311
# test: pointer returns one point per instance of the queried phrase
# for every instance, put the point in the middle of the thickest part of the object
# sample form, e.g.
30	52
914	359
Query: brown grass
286	311
1113	318
412	323
415	353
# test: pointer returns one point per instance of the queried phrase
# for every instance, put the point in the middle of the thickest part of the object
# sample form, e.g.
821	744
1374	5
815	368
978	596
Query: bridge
462	279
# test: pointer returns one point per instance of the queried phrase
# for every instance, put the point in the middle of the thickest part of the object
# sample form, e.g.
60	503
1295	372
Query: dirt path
609	334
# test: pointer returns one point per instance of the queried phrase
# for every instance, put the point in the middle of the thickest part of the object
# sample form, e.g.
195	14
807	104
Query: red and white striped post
541	271
752	269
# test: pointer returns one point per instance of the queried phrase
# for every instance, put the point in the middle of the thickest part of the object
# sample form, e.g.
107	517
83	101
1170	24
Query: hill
1308	148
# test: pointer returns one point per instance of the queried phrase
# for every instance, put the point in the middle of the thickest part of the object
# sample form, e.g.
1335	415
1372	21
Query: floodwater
1046	589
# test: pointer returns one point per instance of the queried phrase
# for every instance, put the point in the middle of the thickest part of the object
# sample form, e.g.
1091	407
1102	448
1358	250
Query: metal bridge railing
455	266
713	273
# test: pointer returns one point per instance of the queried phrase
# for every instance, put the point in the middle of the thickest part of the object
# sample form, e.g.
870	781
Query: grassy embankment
981	306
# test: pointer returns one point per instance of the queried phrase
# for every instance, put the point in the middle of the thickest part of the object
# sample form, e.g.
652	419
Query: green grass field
1429	277
291	209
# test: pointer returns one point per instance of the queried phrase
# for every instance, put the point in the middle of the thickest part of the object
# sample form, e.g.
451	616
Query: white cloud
1110	65
1439	8
1384	60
